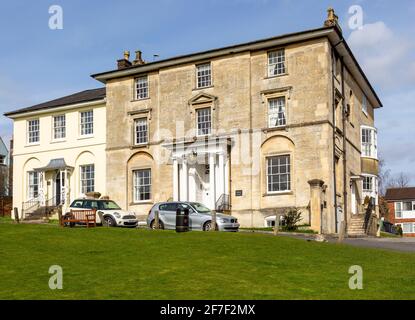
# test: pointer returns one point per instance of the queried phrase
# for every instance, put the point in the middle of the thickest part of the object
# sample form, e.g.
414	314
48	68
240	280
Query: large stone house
59	151
252	129
255	128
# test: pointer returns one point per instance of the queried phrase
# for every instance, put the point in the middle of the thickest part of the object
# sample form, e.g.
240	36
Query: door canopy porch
54	164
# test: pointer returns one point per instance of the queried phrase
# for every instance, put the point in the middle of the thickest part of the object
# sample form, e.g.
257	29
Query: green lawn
106	263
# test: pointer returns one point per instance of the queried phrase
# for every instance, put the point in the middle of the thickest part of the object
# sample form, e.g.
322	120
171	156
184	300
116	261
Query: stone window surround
131	191
140	114
264	186
267	95
209	101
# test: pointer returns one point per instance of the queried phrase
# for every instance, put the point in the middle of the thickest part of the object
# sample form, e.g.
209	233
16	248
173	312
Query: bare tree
399	181
384	177
3	181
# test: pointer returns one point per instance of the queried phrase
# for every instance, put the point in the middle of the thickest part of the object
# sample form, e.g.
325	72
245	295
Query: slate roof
79	97
400	194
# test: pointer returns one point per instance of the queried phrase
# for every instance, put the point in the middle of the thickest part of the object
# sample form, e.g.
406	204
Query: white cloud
384	55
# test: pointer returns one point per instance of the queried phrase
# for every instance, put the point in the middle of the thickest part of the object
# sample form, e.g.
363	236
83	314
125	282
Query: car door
194	218
167	213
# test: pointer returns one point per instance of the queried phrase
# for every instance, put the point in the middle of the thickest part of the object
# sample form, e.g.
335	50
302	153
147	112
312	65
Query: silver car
200	217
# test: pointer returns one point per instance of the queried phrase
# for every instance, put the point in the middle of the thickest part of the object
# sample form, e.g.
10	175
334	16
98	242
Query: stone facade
238	98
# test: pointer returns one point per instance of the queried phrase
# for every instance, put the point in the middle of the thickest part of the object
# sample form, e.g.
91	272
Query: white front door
202	183
353	199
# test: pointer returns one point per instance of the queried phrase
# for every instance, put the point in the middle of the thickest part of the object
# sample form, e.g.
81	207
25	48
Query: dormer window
204	75
276	63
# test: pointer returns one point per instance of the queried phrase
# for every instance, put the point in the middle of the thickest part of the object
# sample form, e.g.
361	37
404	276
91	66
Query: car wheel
109	221
153	224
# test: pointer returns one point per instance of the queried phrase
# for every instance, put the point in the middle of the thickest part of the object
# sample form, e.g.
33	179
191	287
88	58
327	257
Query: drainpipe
345	184
333	60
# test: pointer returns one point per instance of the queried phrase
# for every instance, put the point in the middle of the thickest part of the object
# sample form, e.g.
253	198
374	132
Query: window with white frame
59	127
33	185
87	123
141	131
278	174
370	186
276	63
204	75
276	112
364	104
398	209
369	142
141	87
87	178
33	127
204	121
142	185
408	227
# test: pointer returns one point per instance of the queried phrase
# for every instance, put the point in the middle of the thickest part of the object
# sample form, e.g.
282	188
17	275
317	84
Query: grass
388	235
113	263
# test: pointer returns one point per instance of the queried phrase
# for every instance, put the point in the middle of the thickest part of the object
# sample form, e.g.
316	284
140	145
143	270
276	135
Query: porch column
221	175
316	208
212	186
185	181
175	180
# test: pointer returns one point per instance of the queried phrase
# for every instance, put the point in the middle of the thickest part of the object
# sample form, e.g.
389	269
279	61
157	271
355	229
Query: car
111	213
200	217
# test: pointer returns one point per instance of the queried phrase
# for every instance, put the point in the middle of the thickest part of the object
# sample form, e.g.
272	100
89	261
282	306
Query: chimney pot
138	58
124	63
127	55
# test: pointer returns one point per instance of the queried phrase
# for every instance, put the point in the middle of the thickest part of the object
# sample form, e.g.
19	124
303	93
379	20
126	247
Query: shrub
291	218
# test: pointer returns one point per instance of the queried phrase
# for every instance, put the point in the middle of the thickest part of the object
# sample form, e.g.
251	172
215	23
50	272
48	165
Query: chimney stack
138	58
124	63
332	19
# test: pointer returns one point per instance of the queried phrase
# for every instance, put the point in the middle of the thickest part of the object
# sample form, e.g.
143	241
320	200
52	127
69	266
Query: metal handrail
223	203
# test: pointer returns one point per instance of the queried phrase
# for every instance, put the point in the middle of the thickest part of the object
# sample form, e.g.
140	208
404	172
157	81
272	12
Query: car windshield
108	205
200	207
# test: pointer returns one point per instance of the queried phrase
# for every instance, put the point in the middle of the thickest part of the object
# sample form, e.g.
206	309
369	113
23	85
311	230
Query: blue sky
39	64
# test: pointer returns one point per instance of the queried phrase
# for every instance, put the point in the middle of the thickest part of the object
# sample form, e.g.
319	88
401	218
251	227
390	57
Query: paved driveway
399	244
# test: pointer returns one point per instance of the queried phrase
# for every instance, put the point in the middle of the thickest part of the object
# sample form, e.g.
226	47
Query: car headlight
117	215
222	220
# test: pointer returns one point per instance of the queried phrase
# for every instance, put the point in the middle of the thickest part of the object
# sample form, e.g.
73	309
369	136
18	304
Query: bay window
369	142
